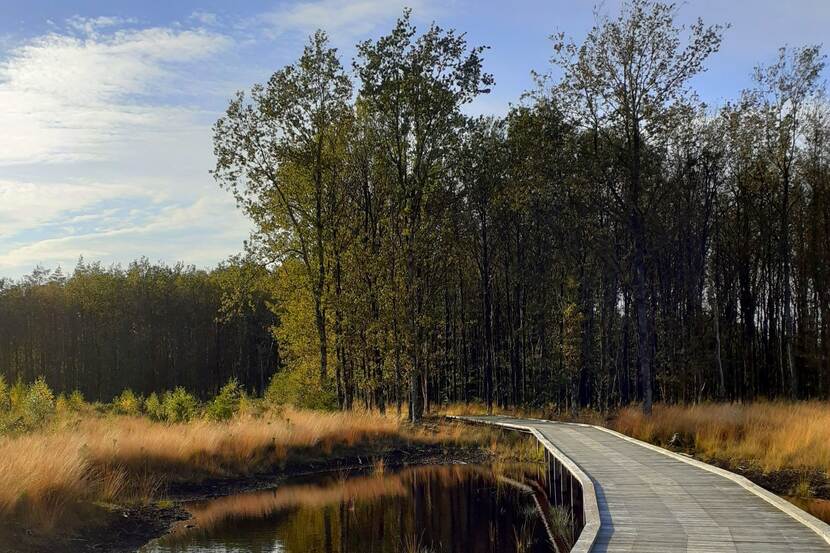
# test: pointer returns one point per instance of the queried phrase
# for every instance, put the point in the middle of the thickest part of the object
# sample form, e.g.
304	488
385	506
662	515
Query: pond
435	509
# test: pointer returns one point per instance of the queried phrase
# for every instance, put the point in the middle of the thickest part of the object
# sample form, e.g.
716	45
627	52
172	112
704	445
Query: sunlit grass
770	435
113	458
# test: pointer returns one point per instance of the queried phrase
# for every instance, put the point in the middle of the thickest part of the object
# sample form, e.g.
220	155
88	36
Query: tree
481	171
413	89
280	155
626	78
785	90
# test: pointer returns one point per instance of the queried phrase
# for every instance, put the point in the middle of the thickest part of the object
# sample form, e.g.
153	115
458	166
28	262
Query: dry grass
123	458
770	435
551	412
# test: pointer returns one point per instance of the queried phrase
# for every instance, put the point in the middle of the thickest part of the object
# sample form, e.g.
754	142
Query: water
459	509
819	508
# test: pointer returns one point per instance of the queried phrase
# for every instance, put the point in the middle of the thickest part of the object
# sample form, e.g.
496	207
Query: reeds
769	435
124	458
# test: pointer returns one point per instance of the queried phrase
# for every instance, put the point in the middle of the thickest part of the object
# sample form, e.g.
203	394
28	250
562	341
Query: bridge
640	498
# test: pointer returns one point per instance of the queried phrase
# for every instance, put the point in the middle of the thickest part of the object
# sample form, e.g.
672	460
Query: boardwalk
652	502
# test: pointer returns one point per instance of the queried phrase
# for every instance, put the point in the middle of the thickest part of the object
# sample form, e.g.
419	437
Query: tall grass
129	458
769	435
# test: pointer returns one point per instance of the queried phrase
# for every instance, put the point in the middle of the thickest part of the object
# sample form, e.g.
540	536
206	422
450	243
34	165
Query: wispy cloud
344	19
106	146
29	205
64	96
205	18
90	25
201	232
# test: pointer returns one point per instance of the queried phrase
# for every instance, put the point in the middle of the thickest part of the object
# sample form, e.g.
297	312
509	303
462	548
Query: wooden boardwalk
650	500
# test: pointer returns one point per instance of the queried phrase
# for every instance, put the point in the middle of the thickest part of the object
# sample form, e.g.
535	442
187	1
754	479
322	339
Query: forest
611	240
148	327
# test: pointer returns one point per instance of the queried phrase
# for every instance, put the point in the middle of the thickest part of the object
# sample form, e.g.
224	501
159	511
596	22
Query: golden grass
550	412
769	435
127	458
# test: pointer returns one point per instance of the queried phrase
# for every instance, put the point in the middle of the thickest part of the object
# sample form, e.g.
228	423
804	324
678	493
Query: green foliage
226	403
177	315
38	404
247	406
301	389
76	401
127	403
179	405
5	400
17	395
153	407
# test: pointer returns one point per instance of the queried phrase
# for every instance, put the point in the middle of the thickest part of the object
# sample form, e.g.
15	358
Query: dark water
460	509
819	508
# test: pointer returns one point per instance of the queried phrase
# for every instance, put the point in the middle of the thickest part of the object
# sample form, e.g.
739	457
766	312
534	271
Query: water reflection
426	509
819	508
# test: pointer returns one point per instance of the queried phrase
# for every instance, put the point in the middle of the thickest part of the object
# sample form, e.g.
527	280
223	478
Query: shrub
179	405
76	400
39	403
17	395
153	407
72	403
5	400
127	403
62	404
301	389
247	406
226	403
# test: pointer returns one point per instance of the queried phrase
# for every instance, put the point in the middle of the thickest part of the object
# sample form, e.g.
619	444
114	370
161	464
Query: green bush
76	400
17	396
127	403
5	400
153	407
38	404
301	389
179	405
226	403
73	403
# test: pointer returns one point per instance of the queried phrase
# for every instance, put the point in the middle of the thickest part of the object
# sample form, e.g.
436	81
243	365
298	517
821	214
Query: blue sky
106	106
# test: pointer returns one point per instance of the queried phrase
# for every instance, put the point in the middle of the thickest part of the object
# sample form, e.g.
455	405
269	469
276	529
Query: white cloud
106	147
29	205
63	97
205	18
89	25
340	18
202	232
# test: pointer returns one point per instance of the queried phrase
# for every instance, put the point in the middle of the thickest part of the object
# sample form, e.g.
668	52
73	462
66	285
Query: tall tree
413	88
784	93
281	155
626	77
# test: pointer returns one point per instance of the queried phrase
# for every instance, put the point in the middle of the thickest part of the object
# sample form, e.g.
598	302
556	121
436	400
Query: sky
106	106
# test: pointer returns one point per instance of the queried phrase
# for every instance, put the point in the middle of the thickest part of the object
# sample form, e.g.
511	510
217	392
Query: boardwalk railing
589	506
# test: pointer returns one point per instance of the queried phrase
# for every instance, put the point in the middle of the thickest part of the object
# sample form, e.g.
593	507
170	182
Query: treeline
148	327
611	240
